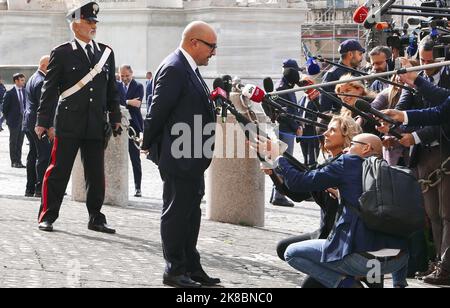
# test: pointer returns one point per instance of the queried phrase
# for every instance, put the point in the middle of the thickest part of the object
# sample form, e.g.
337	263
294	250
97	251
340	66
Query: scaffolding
328	23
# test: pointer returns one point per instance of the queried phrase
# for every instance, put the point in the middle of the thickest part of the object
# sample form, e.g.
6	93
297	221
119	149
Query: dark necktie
21	96
205	86
90	53
431	79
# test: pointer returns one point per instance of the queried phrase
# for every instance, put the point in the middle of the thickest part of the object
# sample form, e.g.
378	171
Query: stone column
234	185
116	172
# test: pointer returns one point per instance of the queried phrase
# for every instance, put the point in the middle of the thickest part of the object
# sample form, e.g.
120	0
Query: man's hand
408	78
389	142
407	140
396	115
39	130
51	134
117	129
266	148
134	102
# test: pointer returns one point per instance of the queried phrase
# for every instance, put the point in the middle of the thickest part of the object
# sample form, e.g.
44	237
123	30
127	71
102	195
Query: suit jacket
350	234
178	99
11	108
2	93
431	116
83	114
33	98
148	90
430	96
135	90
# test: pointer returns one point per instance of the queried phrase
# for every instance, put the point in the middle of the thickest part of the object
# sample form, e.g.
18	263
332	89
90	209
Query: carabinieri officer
80	87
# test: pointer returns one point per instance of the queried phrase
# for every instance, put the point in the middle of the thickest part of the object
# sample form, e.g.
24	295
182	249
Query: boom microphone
228	83
360	14
312	67
268	84
374	15
365	107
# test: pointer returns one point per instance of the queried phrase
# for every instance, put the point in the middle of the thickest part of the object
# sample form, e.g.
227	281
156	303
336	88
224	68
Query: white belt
89	77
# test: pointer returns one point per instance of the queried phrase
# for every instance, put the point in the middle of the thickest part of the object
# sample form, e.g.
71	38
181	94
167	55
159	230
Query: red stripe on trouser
45	182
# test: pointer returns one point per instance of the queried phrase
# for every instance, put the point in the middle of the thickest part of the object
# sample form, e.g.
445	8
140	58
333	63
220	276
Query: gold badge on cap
96	8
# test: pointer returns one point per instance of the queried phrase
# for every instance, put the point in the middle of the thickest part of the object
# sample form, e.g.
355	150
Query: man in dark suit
39	154
2	93
13	107
430	144
149	90
81	75
181	100
131	96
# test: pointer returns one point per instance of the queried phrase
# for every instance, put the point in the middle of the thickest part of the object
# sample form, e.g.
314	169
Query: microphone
268	85
312	67
374	16
413	21
365	107
253	93
360	14
219	95
228	84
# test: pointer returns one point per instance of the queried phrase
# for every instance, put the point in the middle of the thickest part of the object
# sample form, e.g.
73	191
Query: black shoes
46	226
18	165
282	202
180	281
29	194
103	228
138	193
204	279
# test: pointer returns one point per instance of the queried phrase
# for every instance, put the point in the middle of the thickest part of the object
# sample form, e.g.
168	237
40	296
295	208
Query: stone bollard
116	171
235	187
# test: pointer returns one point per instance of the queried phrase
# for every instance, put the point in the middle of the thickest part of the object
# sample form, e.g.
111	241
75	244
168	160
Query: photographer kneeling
351	249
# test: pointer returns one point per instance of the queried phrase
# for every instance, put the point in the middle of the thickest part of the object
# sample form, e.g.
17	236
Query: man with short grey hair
379	59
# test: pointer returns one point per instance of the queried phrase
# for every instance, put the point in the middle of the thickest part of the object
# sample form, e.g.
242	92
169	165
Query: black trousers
16	136
58	173
310	150
180	223
135	157
37	161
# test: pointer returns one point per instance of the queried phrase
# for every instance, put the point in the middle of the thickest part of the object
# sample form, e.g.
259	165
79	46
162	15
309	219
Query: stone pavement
73	256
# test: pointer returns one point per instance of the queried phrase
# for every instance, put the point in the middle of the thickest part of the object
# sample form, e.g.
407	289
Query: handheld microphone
312	67
253	93
365	107
228	84
360	14
219	95
268	85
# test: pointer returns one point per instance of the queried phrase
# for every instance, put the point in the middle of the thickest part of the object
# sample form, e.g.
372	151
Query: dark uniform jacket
334	74
33	97
81	115
288	125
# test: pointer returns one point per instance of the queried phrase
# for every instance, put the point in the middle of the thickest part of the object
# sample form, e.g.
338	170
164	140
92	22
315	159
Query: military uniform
79	122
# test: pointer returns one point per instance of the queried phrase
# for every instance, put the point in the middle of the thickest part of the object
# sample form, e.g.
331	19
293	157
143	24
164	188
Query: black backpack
392	199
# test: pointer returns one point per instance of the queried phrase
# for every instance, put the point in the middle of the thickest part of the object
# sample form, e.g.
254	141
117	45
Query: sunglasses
211	46
353	142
